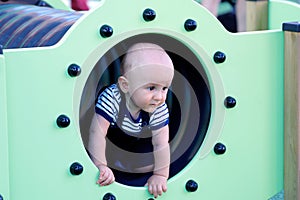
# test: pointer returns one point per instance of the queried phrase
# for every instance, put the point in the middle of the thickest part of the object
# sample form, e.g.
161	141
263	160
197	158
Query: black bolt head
76	168
149	14
219	148
74	70
106	31
219	57
229	102
190	25
42	4
109	196
191	186
63	121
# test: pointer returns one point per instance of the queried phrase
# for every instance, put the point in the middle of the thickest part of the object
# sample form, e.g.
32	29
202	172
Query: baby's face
150	96
148	86
148	71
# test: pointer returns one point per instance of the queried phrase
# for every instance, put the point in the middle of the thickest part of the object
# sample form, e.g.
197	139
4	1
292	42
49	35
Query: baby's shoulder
111	92
111	89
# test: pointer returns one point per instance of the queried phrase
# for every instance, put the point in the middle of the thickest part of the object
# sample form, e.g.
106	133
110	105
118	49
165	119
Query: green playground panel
36	88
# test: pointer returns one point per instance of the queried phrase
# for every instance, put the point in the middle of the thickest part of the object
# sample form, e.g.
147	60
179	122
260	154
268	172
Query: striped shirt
109	105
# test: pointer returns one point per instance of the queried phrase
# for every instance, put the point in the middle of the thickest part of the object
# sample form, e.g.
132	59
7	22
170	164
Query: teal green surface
58	4
39	90
290	10
4	156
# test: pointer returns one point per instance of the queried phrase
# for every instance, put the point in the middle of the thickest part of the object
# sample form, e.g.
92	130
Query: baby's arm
96	148
157	183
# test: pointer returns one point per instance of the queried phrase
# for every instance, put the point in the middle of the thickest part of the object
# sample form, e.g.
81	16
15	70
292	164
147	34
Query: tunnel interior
188	99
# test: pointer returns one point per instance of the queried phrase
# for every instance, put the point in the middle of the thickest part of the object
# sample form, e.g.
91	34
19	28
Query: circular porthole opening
188	101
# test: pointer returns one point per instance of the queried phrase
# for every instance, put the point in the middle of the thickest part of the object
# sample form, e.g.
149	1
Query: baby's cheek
164	98
161	103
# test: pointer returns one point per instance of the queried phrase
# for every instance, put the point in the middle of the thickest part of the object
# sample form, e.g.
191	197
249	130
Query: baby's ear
123	84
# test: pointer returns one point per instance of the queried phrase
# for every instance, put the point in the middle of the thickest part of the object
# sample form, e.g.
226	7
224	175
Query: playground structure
237	115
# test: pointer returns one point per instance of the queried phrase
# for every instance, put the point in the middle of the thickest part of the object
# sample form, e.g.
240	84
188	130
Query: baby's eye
165	88
151	88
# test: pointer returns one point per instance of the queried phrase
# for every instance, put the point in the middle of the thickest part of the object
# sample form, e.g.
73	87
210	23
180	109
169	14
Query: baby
129	133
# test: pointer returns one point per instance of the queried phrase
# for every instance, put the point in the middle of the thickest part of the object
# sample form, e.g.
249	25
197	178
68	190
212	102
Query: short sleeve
106	105
160	117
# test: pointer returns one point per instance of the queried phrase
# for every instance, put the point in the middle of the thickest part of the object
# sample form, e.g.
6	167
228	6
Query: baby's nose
159	95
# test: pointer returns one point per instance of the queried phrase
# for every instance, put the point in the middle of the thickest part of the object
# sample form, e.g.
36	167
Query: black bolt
219	148
76	168
106	31
149	14
1	49
190	25
74	70
219	57
150	199
109	196
191	186
42	4
63	121
229	102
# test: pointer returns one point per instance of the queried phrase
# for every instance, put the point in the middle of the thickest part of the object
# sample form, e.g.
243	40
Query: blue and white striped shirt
108	105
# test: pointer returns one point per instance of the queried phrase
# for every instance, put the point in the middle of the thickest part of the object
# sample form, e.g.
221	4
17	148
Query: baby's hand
157	184
106	176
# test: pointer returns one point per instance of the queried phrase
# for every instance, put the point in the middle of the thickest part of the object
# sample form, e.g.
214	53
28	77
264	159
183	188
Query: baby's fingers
155	190
102	177
152	190
108	181
164	188
105	178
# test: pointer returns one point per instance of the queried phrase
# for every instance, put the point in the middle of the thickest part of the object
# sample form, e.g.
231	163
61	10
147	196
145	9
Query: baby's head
146	63
147	73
